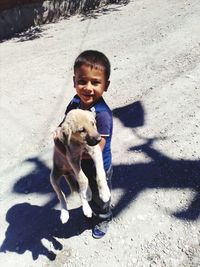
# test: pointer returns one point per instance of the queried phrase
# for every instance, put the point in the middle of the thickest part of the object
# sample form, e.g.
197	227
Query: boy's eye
95	83
82	82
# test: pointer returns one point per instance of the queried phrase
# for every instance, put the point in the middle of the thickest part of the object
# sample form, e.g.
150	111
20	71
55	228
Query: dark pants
100	209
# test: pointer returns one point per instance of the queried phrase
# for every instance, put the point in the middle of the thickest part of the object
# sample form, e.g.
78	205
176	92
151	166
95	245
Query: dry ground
154	49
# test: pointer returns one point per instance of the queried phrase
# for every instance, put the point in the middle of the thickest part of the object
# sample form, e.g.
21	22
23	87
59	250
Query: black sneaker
100	229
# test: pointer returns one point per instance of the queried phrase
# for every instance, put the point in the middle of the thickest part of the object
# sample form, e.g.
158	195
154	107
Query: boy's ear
107	85
74	82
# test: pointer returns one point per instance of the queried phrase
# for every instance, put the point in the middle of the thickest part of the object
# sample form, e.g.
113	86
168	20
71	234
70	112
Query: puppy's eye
81	130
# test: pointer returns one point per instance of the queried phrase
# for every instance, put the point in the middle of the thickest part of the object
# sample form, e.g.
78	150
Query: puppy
78	134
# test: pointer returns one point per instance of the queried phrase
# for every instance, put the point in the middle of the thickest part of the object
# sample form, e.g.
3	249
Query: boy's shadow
30	224
161	172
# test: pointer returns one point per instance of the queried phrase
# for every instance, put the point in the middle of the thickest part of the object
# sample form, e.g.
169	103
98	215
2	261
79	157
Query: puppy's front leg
96	154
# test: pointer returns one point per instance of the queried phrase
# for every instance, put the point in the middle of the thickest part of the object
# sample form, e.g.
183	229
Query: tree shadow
29	224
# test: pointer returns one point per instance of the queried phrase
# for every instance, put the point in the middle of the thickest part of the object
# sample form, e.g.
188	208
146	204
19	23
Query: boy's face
90	84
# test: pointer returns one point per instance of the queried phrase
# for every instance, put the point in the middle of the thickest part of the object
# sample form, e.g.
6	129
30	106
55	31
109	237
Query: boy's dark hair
95	59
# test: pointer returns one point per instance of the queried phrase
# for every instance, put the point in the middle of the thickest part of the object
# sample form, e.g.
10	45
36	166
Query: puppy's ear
65	135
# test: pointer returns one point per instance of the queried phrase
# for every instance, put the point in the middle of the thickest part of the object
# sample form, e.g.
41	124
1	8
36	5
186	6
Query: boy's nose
88	86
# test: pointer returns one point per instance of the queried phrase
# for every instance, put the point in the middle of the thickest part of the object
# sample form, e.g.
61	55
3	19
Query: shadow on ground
160	172
30	224
30	34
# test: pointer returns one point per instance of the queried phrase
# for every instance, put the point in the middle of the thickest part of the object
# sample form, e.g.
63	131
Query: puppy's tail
73	184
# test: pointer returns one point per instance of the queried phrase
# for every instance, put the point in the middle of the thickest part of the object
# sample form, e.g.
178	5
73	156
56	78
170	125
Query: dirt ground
154	49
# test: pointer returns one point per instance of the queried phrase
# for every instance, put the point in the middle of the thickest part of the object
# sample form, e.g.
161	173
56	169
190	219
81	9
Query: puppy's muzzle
93	141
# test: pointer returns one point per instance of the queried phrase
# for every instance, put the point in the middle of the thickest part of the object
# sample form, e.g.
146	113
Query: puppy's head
80	125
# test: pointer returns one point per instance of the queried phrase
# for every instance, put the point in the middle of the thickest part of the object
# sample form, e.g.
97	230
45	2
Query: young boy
91	80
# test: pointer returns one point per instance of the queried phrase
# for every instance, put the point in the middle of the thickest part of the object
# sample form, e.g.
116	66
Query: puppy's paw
88	194
87	211
64	216
104	194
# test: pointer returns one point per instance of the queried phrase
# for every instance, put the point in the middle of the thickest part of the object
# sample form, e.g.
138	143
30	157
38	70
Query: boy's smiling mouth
87	95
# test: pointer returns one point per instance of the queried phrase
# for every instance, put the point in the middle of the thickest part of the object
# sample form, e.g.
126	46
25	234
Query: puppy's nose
93	141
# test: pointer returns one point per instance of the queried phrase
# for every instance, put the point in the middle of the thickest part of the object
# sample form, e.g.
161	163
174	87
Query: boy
91	80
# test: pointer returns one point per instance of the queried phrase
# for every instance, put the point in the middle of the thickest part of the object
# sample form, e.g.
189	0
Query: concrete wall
19	15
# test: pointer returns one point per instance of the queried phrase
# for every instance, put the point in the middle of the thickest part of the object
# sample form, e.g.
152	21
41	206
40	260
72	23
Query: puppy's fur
78	134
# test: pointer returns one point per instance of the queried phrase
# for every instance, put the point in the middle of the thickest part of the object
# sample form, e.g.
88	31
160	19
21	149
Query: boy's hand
55	134
59	145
